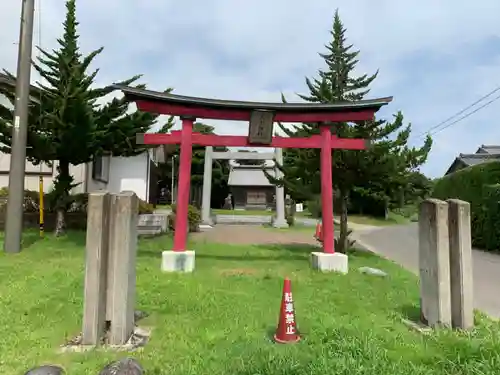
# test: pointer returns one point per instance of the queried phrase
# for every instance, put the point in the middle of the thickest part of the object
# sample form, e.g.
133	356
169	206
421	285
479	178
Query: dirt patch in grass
238	271
253	235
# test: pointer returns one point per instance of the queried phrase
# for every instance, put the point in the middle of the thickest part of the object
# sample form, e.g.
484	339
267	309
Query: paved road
400	244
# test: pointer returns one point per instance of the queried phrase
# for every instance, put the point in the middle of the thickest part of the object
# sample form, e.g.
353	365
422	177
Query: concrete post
280	221
462	304
121	268
434	263
207	187
94	304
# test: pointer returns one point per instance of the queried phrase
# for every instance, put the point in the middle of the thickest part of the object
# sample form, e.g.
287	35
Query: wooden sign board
260	130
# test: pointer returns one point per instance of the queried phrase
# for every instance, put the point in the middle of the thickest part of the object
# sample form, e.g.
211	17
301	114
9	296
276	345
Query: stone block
96	264
178	261
279	223
122	267
151	224
434	263
46	370
336	262
204	227
462	301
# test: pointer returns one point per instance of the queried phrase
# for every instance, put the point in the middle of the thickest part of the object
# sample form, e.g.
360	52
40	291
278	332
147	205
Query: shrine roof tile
249	177
141	94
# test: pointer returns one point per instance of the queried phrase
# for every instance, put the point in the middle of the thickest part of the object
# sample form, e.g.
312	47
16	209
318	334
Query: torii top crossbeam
215	109
261	117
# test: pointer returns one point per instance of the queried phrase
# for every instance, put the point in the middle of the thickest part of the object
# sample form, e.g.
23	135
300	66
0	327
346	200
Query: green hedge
491	217
478	186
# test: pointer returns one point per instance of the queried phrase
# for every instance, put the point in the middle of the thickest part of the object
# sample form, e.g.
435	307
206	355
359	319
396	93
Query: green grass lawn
218	320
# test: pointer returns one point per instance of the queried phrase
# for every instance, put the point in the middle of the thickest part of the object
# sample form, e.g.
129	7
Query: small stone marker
462	308
372	271
97	250
46	370
434	263
111	247
121	267
126	366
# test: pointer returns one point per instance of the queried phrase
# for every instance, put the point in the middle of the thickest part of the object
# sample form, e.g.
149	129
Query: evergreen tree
255	162
67	125
373	173
220	168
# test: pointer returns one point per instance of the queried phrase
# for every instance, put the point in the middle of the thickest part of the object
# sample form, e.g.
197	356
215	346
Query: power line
466	115
459	113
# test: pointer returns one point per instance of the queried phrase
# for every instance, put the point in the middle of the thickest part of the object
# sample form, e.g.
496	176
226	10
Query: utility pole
14	214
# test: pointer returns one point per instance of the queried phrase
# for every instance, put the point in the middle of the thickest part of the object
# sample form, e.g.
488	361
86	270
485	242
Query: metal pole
14	214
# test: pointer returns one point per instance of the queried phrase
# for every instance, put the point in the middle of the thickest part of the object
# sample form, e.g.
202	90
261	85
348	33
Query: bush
194	218
314	207
145	207
490	213
474	185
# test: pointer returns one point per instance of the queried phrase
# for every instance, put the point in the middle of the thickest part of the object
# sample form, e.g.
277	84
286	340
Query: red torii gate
261	117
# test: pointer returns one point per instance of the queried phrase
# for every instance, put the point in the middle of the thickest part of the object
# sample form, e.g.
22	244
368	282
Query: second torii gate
261	117
210	155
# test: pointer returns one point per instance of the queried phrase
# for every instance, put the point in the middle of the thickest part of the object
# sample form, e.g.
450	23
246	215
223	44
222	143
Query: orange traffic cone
319	233
286	332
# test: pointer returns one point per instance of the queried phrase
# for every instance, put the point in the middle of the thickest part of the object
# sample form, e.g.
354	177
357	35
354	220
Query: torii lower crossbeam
314	141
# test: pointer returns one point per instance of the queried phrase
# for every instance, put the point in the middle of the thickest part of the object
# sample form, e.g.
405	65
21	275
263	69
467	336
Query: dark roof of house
489	149
484	154
141	94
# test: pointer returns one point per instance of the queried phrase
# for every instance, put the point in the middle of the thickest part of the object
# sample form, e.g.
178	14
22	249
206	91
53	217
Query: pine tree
67	125
220	168
372	173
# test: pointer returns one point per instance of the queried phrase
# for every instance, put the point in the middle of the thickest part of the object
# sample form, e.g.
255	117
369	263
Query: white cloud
254	50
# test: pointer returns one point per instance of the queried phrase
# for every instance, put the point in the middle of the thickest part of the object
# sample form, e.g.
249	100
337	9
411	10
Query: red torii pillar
190	108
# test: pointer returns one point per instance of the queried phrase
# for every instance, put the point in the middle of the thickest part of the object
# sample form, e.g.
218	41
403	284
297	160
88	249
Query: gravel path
254	234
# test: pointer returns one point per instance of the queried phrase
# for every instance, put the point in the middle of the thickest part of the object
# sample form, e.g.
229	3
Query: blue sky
434	57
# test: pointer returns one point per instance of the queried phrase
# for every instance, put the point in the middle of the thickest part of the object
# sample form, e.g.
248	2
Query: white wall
131	173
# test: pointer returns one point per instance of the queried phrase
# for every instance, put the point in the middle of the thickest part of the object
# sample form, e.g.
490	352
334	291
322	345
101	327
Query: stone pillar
96	264
434	263
280	221
462	304
206	220
121	268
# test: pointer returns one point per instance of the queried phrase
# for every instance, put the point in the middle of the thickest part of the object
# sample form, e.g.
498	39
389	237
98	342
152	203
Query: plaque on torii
260	129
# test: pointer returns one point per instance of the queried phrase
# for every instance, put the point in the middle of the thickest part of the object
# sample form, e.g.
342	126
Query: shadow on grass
29	239
75	238
245	257
410	312
294	248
